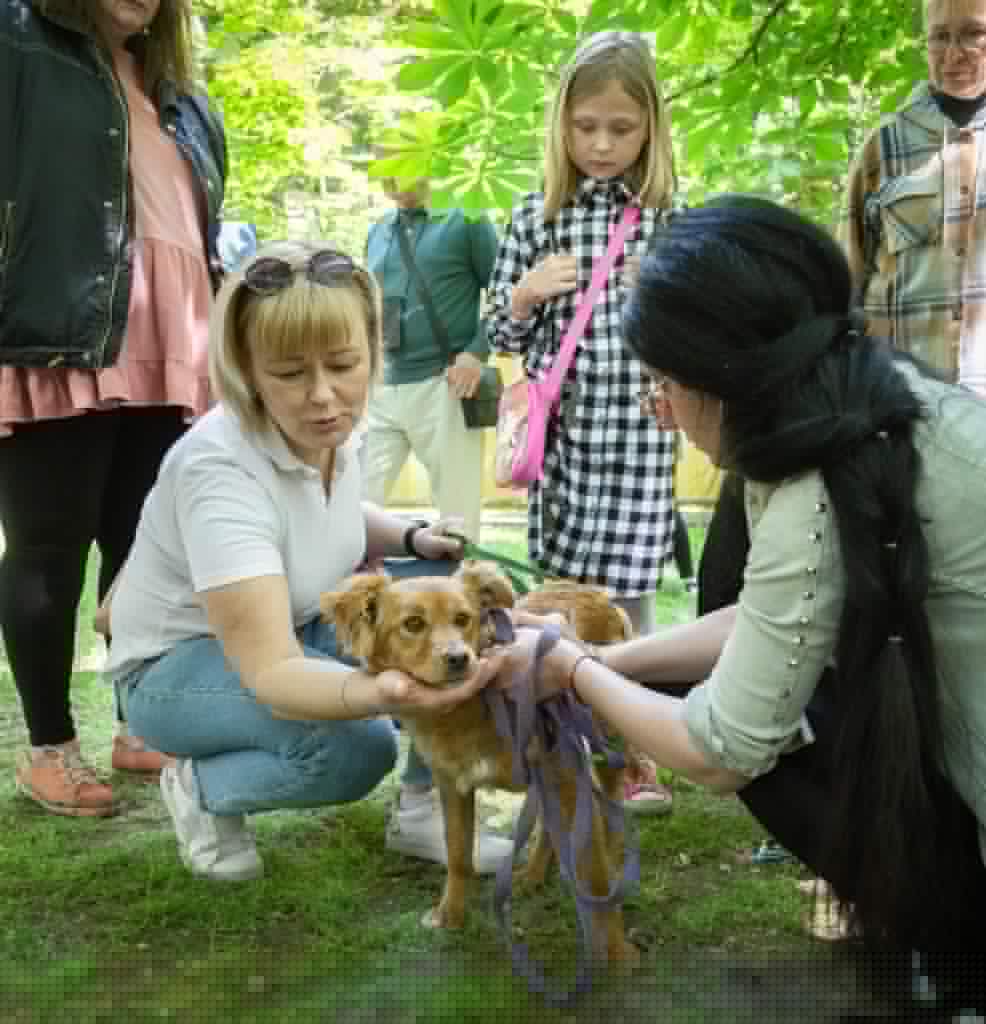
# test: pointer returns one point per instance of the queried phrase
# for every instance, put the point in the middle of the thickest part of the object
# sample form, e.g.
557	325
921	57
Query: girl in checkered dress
602	512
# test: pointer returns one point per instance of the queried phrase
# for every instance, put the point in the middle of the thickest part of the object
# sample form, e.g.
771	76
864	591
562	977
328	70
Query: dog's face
429	627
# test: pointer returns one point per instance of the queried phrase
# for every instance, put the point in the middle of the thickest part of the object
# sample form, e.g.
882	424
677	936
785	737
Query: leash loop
564	728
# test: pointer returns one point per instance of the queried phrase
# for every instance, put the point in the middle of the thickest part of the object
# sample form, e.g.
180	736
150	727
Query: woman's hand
522	618
433	541
555	670
404	695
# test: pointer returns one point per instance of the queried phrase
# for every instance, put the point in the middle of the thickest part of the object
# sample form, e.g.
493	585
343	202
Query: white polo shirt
231	506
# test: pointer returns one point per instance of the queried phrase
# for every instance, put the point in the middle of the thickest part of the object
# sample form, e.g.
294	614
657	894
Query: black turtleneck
959	111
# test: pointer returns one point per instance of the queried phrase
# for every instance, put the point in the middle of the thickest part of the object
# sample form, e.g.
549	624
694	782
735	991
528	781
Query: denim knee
345	766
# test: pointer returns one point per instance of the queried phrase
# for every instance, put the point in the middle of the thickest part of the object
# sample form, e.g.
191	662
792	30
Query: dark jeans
63	484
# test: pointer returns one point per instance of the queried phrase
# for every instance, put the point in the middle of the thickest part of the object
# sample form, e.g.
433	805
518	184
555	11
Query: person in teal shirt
417	408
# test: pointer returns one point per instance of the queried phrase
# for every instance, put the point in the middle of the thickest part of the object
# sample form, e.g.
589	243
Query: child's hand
554	275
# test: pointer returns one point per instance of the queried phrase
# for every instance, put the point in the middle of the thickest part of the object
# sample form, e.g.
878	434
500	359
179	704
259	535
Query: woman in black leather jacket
109	210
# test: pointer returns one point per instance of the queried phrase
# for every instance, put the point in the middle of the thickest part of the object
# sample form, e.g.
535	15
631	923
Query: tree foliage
300	85
764	95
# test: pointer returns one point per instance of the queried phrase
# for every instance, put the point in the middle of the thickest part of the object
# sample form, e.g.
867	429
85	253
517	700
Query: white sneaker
416	828
211	845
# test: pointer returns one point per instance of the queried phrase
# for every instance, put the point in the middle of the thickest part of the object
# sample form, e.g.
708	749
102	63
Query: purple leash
564	727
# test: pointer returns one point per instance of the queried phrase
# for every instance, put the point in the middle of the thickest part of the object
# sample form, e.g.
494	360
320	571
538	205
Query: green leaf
488	72
672	33
567	23
889	74
834	91
455	84
698	139
807	98
830	147
503	36
604	14
457	14
425	36
425	74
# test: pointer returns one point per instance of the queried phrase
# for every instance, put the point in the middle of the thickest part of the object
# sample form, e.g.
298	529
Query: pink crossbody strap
551	387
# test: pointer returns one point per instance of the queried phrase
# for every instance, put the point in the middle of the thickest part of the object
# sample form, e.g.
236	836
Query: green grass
100	922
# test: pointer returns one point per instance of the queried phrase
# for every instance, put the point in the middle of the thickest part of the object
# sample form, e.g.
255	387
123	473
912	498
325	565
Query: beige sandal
827	920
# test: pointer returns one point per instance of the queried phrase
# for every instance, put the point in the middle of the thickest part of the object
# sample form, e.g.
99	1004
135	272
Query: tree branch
750	51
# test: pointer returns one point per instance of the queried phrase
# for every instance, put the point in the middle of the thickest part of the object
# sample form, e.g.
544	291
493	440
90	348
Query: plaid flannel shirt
914	231
602	512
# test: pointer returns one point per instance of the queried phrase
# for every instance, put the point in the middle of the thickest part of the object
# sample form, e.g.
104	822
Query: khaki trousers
425	418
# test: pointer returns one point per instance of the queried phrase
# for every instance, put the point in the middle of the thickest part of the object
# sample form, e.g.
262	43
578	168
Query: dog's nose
457	661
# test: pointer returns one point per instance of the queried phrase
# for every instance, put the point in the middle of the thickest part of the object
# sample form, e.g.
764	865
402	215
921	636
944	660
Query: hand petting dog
404	695
557	666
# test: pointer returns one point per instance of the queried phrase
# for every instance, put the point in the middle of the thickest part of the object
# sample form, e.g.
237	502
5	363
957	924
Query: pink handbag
526	406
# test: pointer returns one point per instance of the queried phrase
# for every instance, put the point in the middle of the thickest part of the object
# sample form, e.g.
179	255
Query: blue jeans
191	704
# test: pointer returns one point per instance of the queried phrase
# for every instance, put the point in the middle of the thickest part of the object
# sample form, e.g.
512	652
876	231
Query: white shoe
211	845
416	828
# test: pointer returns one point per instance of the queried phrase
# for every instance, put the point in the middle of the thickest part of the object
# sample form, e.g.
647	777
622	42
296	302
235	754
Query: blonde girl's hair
605	57
303	318
166	48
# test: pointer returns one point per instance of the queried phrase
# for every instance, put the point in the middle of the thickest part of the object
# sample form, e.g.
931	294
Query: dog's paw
441	917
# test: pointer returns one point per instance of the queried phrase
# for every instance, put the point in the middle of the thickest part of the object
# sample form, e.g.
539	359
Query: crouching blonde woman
218	653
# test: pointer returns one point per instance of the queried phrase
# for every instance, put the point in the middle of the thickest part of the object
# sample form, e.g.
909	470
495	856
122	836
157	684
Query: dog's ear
354	610
486	586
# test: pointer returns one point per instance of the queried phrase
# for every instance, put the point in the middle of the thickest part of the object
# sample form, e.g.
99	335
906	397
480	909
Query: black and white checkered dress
603	510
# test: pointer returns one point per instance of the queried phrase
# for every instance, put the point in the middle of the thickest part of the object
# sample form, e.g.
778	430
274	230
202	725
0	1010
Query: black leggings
63	484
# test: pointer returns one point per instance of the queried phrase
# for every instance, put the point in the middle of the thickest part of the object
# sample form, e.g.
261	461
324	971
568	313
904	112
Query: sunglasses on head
270	275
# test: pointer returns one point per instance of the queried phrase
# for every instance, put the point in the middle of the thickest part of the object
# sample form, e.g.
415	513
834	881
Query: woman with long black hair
842	696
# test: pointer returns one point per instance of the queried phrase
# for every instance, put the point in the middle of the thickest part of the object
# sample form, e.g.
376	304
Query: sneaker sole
250	875
66	810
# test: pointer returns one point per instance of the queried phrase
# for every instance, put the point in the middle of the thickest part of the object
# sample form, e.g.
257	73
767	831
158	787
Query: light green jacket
750	711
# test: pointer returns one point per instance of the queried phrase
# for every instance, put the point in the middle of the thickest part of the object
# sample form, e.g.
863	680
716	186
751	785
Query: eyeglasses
654	401
969	40
270	275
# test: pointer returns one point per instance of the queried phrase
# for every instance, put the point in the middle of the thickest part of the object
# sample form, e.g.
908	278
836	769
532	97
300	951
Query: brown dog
431	628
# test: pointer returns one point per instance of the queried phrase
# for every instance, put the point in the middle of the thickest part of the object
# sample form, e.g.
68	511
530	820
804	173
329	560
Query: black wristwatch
419	524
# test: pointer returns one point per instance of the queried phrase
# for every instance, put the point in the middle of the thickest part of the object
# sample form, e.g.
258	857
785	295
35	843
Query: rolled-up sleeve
750	710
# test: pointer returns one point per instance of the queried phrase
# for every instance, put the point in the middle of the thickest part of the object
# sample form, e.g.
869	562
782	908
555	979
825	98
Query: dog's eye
463	620
414	623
